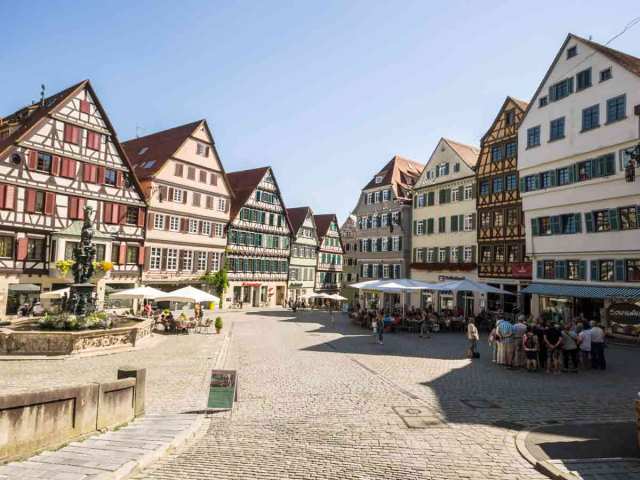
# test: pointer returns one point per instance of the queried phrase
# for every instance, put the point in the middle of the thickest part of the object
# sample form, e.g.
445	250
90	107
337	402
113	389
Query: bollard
140	374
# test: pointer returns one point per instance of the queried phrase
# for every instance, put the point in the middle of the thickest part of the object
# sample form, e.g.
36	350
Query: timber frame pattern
501	231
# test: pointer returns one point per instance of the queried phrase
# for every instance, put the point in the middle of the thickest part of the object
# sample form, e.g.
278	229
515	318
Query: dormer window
378	179
510	117
202	149
143	150
572	51
442	170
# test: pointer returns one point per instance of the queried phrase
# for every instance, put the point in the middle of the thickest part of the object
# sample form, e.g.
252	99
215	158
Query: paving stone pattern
324	401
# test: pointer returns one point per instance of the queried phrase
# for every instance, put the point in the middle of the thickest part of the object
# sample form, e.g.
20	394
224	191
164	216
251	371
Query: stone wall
46	419
36	342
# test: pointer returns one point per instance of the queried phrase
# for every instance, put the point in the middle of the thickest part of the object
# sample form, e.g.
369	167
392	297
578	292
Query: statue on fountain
81	300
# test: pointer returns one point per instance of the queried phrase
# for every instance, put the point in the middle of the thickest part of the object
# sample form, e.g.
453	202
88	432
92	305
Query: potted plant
218	324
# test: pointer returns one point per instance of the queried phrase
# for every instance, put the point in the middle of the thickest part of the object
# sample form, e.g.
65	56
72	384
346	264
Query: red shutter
93	140
3	193
184	196
183	224
86	172
32	159
76	134
170	197
119	179
100	175
122	254
68	168
81	203
68	133
55	165
22	249
30	201
150	221
122	214
10	197
49	203
147	257
73	208
84	106
107	208
141	217
141	252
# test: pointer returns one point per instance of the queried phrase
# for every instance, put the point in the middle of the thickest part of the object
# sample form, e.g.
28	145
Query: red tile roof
297	217
243	183
401	173
323	222
627	61
149	153
468	153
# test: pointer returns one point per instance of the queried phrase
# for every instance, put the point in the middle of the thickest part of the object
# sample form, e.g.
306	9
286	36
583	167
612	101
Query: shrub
218	323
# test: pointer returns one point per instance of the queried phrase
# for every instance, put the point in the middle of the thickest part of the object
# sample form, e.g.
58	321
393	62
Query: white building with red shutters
57	156
189	201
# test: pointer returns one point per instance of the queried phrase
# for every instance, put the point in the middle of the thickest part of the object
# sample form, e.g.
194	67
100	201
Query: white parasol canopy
53	294
337	297
187	294
318	295
137	293
468	285
393	285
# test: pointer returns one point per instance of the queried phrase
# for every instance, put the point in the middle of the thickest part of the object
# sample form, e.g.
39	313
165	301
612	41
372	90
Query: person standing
597	346
530	347
569	348
505	331
540	330
553	340
380	326
473	337
584	343
519	331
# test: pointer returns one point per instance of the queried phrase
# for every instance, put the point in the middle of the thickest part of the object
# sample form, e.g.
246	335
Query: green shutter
473	253
578	222
614	219
415	227
454	223
436	257
534	227
446	254
596	166
610	167
430	226
555	225
582	269
595	274
589	168
561	269
539	269
523	185
619	271
588	221
573	173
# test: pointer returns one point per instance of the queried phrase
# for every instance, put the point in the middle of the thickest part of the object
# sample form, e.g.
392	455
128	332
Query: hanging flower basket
64	267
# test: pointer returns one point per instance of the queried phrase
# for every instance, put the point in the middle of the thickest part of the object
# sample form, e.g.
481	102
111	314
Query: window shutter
539	269
170	197
454	223
555	224
21	251
534	227
460	193
415	227
55	165
3	192
560	269
147	258
150	221
84	106
141	217
162	194
30	203
588	220
73	207
68	168
473	253
141	255
107	214
619	271
32	159
100	175
460	254
86	172
473	221
163	259
582	269
122	214
184	196
595	274
183	224
614	219
523	186
578	221
122	254
119	179
9	197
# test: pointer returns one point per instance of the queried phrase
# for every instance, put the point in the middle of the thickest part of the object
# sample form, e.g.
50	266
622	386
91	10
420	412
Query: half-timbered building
188	195
330	254
502	261
258	242
304	250
56	157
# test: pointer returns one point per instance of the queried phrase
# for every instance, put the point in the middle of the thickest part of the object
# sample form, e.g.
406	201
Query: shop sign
296	285
627	313
250	284
522	270
222	389
448	278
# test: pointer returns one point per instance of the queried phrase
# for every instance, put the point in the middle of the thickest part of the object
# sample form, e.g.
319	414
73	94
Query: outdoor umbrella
137	293
468	285
396	285
188	294
55	293
337	297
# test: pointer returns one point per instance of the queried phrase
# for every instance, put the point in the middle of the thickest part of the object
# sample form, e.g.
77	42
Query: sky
325	92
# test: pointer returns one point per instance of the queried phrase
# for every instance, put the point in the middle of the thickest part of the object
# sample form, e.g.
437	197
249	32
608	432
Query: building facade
573	146
56	157
304	251
502	261
348	232
444	224
258	242
330	254
189	202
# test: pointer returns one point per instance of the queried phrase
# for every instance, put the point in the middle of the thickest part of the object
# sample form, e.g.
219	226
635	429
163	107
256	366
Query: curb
543	467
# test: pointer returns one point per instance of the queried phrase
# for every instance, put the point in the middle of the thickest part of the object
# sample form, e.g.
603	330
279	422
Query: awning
581	291
24	287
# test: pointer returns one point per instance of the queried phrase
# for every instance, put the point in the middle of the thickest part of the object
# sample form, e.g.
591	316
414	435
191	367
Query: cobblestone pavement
323	401
177	366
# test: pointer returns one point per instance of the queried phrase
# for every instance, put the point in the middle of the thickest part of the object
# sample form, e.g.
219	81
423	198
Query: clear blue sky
325	92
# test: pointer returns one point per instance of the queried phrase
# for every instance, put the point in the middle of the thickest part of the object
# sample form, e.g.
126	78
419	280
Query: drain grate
419	417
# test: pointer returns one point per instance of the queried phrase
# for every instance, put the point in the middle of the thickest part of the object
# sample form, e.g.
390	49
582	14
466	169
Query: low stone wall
46	419
37	342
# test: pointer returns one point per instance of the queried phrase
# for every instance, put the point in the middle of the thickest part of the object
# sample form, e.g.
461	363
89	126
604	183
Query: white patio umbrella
337	297
53	294
468	285
395	285
187	294
138	293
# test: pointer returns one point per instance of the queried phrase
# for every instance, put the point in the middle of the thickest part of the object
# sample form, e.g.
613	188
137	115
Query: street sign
222	389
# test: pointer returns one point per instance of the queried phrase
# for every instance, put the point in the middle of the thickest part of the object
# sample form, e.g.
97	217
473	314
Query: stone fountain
81	298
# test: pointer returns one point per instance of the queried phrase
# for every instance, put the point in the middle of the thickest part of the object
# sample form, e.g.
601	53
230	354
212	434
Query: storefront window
606	270
633	270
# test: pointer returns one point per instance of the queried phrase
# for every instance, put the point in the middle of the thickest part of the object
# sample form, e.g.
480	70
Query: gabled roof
629	62
400	173
521	104
157	148
467	153
323	222
297	216
31	117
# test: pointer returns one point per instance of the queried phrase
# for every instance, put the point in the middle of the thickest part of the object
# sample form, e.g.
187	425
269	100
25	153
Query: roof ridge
165	131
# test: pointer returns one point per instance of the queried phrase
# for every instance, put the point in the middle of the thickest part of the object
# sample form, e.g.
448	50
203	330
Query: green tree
218	282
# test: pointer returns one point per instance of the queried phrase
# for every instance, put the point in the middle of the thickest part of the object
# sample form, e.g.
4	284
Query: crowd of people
578	344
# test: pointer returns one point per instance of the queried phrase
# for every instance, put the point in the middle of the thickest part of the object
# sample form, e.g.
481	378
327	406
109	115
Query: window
546	179
568	224
468	254
395	245
72	134
510	117
556	129
485	254
498	219
497	153
431	198
155	258
442	169
468	223
376	197
628	218
456	167
420	228
178	170
454	255
499	253
605	74
544	226
583	79
213	179
442	255
511	182
468	192
511	149
203	176
513	253
442	224
379	179
174	224
196	199
222	204
606	270
191	173
44	162
601	218
421	201
572	51
633	270
561	89
584	170
202	149
430	255
549	269
68	250
543	101
6	247
533	137
187	260
590	117
202	261
206	228
513	217
574	270
40	200
616	108
454	195
193	226
110	177
215	261
484	187
132	254
485	219
530	183
563	176
93	140
178	195
132	215
386	195
35	249
498	184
